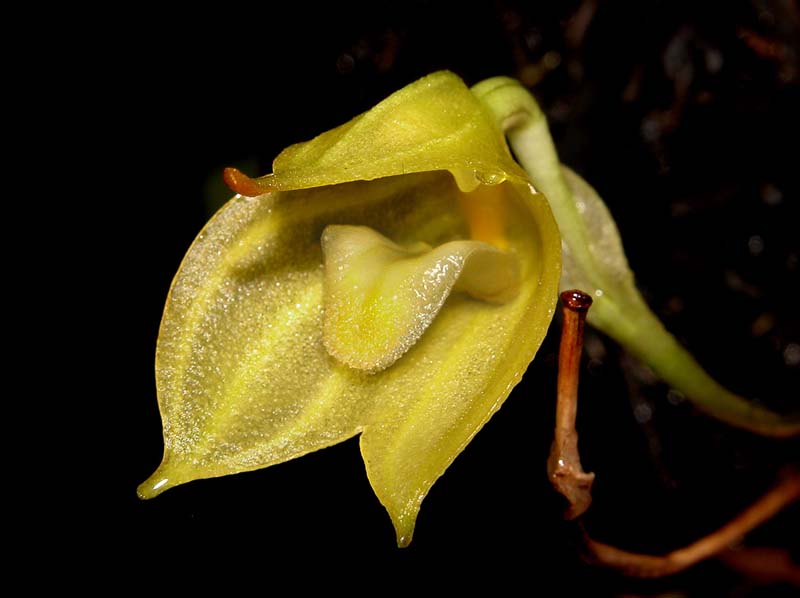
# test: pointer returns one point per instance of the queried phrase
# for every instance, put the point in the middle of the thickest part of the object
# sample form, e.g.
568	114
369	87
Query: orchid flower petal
380	297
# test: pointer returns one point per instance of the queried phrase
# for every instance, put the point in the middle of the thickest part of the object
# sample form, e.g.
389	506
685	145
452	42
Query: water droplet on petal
487	178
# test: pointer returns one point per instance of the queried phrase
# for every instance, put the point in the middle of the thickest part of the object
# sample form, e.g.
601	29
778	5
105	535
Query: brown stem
786	491
569	479
564	464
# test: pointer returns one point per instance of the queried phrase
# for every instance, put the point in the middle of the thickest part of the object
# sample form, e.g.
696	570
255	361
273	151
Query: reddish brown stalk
564	464
569	479
786	491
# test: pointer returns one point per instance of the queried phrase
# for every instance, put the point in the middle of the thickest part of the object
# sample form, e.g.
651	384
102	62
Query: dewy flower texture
391	278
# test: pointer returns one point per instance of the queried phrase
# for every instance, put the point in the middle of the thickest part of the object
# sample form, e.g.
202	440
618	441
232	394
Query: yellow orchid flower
391	278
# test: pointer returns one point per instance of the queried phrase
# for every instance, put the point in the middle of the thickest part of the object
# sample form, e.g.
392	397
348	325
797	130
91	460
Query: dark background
682	114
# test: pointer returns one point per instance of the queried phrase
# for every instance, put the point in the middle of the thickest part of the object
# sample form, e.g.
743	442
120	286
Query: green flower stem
526	128
594	261
647	339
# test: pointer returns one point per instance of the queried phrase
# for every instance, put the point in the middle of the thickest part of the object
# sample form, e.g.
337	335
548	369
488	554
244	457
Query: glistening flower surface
393	277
